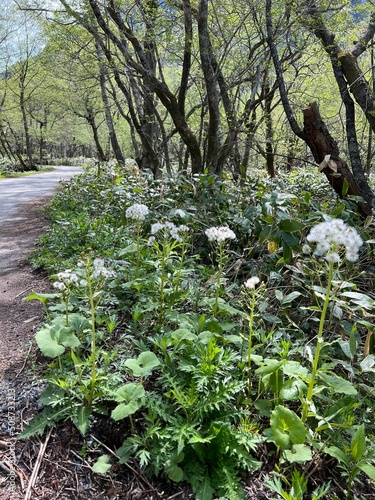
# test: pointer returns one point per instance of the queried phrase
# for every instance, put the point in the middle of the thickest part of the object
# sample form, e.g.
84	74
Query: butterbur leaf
53	339
358	444
102	465
79	323
173	471
299	453
144	365
287	428
131	398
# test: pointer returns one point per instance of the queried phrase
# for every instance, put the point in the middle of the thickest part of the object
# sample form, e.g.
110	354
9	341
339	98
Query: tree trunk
326	153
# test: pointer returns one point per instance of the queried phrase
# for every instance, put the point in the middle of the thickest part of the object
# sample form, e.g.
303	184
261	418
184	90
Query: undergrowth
195	310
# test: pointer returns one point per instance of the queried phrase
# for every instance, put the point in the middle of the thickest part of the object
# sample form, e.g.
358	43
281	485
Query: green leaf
42	297
345	188
291	240
53	339
360	299
102	465
269	366
299	453
47	418
291	390
338	384
358	444
290	297
173	471
183	334
340	455
81	418
52	395
290	225
204	490
369	470
287	428
146	362
79	323
131	398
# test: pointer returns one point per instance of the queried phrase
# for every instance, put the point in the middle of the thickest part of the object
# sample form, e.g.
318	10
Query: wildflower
170	231
330	235
59	285
306	249
220	234
138	211
251	282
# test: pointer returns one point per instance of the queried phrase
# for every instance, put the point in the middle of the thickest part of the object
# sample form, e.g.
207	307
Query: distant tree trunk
316	136
326	153
270	157
103	76
29	153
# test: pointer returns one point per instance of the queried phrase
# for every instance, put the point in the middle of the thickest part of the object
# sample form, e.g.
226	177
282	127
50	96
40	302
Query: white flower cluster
220	234
328	236
100	271
170	231
251	282
66	279
138	211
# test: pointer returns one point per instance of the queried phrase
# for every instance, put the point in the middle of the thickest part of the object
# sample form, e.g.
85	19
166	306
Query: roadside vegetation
227	328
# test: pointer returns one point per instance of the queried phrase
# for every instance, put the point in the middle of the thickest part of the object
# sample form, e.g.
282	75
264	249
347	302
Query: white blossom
138	211
251	282
329	236
306	249
220	234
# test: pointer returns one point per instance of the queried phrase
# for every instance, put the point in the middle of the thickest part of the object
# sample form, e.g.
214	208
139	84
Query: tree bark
326	153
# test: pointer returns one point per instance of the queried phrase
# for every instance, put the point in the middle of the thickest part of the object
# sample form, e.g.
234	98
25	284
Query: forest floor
58	465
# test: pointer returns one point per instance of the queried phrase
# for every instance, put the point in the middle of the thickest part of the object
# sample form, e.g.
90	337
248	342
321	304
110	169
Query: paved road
19	190
21	200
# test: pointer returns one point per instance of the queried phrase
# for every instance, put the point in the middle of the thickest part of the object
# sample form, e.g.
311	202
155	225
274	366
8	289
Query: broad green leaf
368	364
295	369
183	334
291	389
271	318
42	297
131	398
358	444
53	339
299	453
360	299
102	465
287	428
369	470
338	384
173	471
340	455
269	366
146	362
290	225
290	297
291	240
79	323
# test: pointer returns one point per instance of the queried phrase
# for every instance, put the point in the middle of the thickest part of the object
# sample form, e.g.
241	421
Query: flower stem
218	284
318	344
